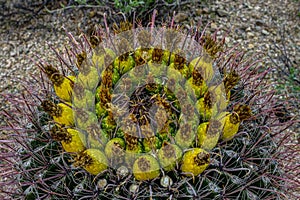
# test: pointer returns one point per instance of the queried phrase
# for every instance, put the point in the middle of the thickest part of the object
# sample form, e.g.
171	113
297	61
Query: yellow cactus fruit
63	85
208	134
231	79
180	65
96	137
103	58
146	167
89	79
195	161
186	134
72	140
202	66
82	98
169	155
211	46
232	121
196	85
84	118
61	113
92	160
133	149
231	126
219	97
115	150
204	107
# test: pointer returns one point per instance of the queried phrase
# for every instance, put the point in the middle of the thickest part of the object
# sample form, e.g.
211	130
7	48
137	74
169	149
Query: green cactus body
100	110
124	65
151	143
108	125
168	57
149	115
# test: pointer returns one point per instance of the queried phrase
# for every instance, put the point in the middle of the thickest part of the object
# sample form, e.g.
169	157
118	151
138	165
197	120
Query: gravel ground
27	33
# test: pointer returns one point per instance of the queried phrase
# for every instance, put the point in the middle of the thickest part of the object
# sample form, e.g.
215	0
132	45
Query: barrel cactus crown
146	113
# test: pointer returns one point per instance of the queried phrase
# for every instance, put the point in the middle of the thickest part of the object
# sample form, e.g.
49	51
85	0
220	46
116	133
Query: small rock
265	32
222	13
244	19
133	188
248	29
166	181
102	183
198	11
257	8
213	26
258	28
122	171
201	11
250	46
259	23
250	34
92	14
227	40
180	17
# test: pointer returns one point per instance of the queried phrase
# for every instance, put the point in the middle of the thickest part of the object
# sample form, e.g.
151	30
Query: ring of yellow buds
107	143
195	161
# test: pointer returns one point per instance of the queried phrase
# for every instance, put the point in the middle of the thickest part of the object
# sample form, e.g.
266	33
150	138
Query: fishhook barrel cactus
152	112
